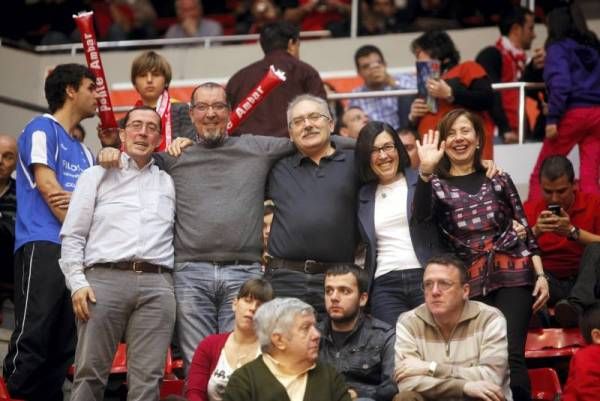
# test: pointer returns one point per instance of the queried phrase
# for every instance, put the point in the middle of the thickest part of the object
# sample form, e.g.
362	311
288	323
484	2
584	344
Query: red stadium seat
548	343
544	384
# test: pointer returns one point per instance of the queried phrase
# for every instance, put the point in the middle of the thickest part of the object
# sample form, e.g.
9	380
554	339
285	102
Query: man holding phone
565	222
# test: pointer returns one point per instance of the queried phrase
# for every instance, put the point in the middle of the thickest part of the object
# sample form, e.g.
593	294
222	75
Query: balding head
8	156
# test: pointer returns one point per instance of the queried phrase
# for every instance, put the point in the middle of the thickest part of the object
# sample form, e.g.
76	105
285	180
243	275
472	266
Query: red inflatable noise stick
85	23
272	79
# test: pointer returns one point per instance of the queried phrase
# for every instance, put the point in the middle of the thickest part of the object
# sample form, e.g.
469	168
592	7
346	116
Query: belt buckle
135	267
307	263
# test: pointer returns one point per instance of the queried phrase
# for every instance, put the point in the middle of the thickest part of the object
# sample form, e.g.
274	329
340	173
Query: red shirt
583	383
561	256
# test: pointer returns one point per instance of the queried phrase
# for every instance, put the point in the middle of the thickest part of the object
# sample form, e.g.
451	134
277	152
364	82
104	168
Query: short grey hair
300	98
277	316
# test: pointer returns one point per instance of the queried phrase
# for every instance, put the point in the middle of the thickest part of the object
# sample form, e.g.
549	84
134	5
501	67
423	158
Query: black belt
308	266
136	266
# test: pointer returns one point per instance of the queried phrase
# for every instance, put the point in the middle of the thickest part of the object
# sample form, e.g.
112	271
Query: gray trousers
140	306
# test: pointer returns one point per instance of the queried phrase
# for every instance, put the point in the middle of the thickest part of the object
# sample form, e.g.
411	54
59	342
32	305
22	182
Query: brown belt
307	266
136	266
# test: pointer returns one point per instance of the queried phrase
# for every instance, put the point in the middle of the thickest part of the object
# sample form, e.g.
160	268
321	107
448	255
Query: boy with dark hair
583	383
360	347
42	345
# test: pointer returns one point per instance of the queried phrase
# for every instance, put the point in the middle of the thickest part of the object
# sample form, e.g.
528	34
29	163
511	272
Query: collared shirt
295	384
44	141
384	108
315	216
118	215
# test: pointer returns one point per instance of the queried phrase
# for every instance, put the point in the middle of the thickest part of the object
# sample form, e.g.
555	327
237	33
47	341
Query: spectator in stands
151	76
315	15
461	85
396	250
351	122
583	383
380	17
409	136
78	133
280	42
219	355
315	193
504	270
217	241
288	367
120	276
360	347
572	75
432	14
262	12
564	234
505	62
451	348
128	19
371	67
50	161
191	23
8	211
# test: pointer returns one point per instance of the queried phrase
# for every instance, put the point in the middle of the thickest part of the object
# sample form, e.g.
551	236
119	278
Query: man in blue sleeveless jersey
49	163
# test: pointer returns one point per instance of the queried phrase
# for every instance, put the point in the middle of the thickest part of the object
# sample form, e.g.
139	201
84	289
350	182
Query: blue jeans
396	292
204	293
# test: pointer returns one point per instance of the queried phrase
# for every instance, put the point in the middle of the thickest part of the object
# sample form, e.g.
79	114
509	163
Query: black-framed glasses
388	149
138	126
217	107
298	122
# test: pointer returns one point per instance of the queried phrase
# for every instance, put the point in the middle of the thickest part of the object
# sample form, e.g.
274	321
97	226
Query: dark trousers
42	345
515	303
396	292
559	288
305	286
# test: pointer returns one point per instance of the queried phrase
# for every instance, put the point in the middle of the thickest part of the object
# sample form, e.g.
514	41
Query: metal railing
207	41
521	86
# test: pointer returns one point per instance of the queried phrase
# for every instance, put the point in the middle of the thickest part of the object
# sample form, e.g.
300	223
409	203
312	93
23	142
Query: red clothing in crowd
203	365
561	256
317	20
583	383
466	73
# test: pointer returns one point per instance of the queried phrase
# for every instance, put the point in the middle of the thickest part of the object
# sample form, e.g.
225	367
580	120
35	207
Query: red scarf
163	108
513	65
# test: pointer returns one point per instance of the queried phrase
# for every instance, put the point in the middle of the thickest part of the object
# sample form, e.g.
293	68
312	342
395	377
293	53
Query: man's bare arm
48	185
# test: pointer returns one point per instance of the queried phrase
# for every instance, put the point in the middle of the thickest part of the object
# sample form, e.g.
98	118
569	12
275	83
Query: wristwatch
432	368
573	233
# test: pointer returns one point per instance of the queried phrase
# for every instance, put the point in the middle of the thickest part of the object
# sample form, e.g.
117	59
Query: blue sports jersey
45	141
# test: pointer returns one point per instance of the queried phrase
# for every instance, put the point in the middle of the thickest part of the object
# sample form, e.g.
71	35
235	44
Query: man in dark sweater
280	41
8	212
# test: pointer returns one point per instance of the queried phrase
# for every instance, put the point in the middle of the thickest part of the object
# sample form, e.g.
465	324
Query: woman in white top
396	247
218	355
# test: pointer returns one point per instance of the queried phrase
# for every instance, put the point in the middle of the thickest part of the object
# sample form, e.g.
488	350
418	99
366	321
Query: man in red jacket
566	223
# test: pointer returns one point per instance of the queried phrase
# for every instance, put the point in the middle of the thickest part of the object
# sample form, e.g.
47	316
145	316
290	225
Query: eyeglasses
218	107
298	122
138	126
388	149
442	285
373	64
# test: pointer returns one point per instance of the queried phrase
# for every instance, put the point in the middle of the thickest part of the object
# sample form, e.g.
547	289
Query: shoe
566	314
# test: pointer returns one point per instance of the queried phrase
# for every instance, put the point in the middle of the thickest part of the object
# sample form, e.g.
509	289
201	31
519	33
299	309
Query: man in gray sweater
219	186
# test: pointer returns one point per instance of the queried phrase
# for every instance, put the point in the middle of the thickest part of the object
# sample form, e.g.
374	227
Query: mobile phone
554	209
